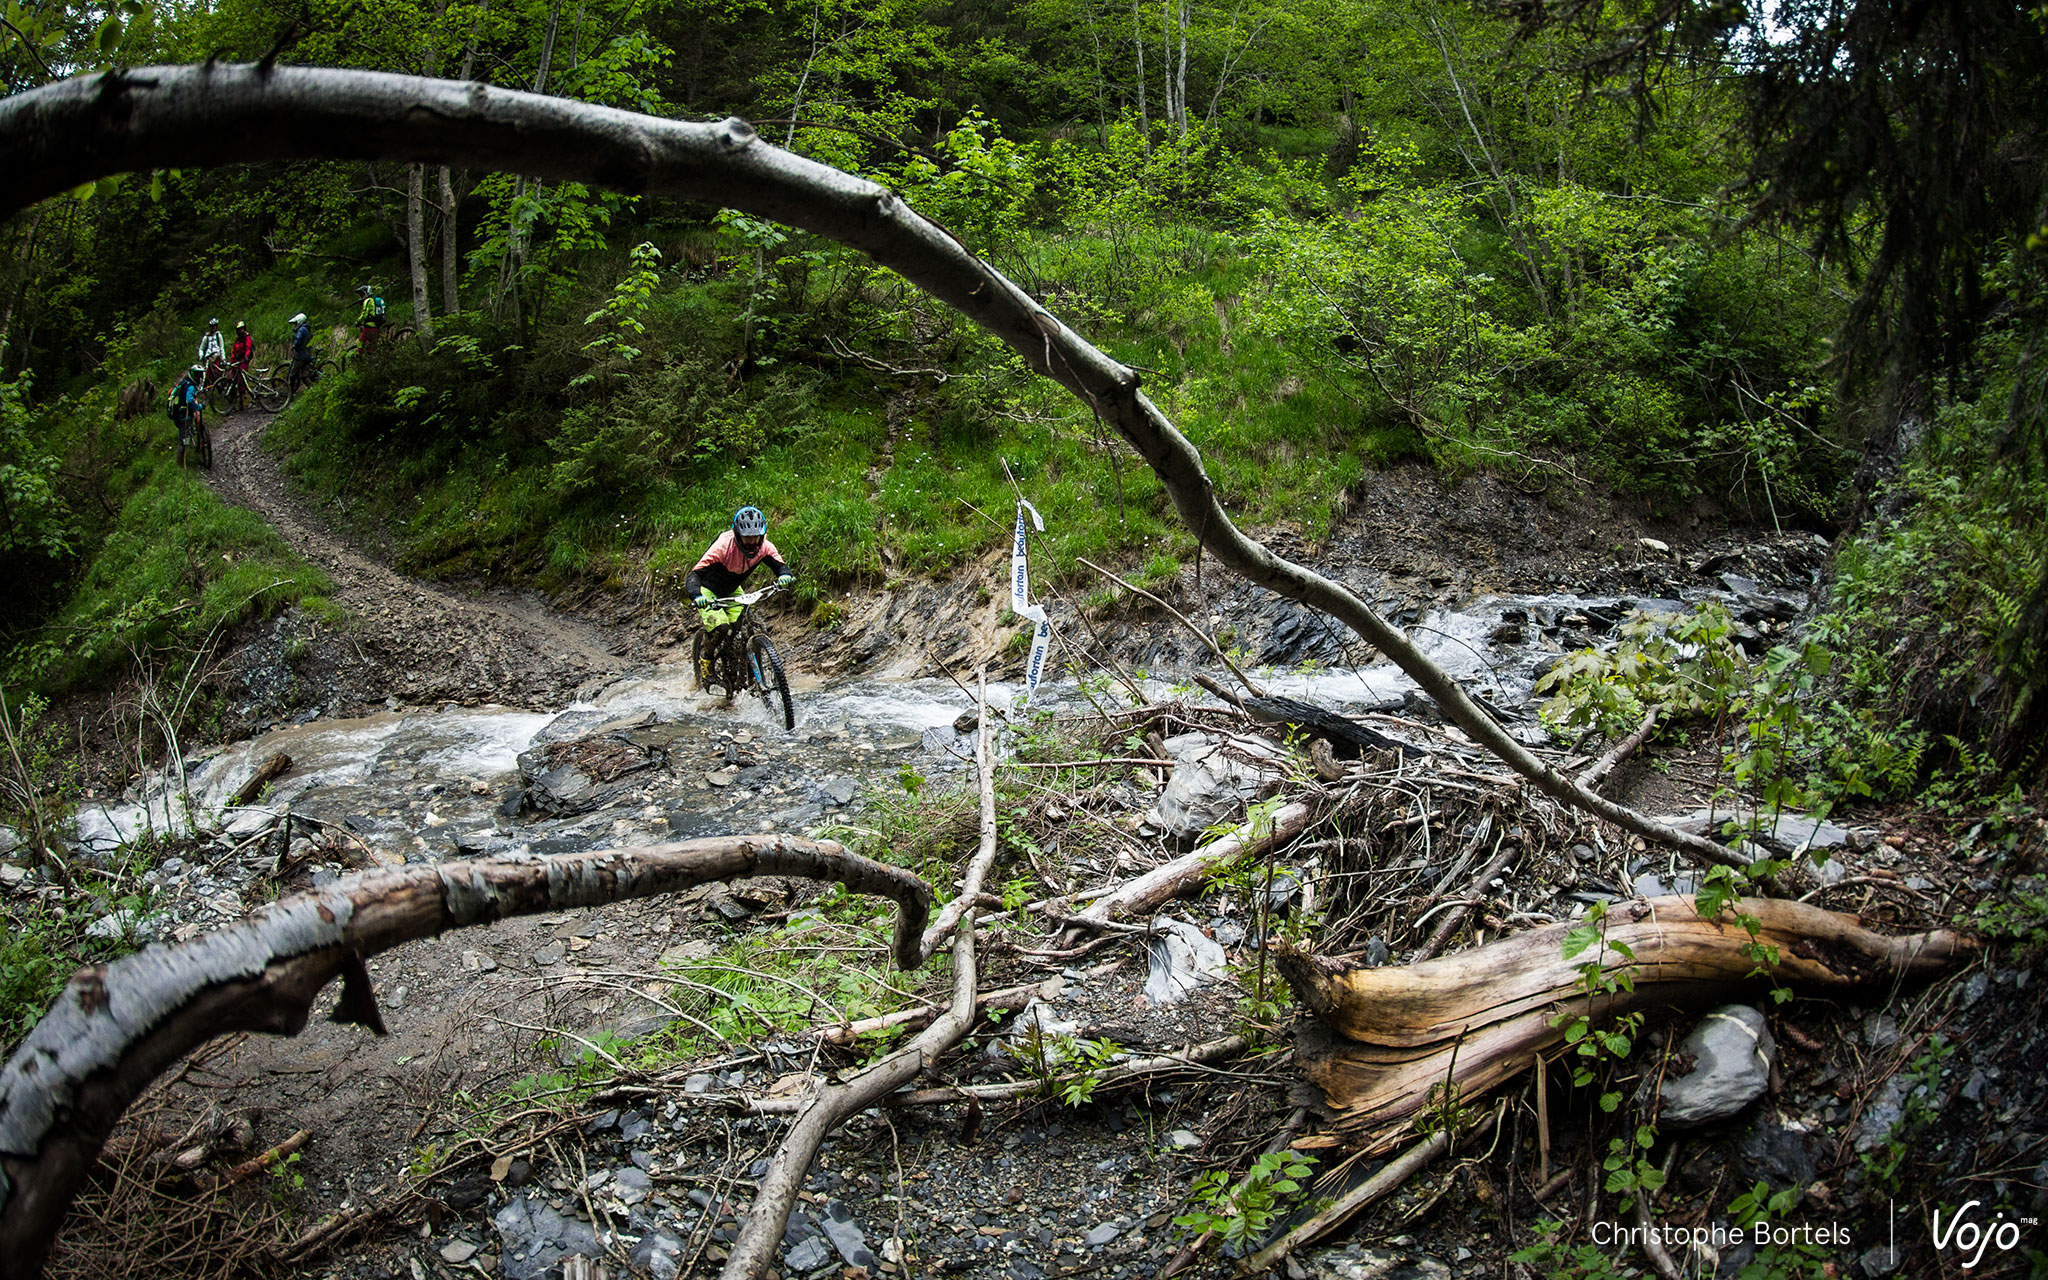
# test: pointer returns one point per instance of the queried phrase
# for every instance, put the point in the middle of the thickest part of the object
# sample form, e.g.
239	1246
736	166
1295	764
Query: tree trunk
1138	41
1482	1016
416	248
451	256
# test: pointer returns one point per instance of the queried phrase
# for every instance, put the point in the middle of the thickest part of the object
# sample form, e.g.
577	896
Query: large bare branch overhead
116	1027
72	132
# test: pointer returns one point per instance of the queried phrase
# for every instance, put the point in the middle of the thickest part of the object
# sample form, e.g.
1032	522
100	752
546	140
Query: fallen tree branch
1509	849
1627	747
250	1168
1207	1052
117	1027
1162	884
1484	1015
1009	998
761	1230
273	769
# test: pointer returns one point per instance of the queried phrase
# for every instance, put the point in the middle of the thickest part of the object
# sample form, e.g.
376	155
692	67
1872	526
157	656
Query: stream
426	785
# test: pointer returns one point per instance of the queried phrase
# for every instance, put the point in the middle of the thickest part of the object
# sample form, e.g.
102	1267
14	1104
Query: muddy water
425	785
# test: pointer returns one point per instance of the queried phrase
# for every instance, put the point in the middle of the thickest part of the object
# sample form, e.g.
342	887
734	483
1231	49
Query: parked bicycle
740	656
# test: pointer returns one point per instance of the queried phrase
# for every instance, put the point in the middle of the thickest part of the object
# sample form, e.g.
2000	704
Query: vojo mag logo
1965	1232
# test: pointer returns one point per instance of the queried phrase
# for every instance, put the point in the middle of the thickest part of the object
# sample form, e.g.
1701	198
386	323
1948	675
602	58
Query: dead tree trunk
118	1026
1481	1016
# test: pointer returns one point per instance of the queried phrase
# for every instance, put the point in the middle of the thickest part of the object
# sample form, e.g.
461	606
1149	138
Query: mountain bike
200	451
740	656
225	385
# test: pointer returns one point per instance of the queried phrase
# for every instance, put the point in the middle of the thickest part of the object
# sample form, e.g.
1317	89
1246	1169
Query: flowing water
423	785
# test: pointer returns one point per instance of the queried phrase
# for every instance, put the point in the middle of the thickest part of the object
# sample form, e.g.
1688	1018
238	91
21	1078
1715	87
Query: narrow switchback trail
413	641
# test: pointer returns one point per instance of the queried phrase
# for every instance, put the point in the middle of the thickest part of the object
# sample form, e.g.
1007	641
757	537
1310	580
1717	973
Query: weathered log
117	1027
71	132
273	769
1482	1016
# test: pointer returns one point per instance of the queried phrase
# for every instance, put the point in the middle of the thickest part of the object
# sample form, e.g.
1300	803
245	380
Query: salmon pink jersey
727	554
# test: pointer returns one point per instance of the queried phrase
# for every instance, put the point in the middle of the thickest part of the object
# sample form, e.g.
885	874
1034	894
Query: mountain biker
185	406
243	353
371	317
724	568
302	349
213	349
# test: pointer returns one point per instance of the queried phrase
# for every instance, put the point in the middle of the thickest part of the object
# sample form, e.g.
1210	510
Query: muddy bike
740	657
199	452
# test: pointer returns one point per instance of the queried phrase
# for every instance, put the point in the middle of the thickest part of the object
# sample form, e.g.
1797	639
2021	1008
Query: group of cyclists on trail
729	650
222	368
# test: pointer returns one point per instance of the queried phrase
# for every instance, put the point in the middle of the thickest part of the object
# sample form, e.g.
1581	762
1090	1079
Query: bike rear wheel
264	389
765	668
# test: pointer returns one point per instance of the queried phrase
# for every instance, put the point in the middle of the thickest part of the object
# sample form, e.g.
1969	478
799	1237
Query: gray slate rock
1103	1234
1356	1262
845	1236
1211	783
535	1239
1183	961
1733	1053
808	1255
659	1255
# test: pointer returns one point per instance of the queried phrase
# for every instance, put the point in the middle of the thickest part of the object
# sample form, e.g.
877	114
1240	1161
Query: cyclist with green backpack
371	318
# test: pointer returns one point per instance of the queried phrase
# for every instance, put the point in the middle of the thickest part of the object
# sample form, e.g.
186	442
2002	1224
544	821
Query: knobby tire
202	445
766	669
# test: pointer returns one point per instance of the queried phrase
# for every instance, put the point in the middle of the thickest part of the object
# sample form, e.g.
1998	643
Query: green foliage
35	520
1608	970
1067	1067
1686	664
1571	1262
1240	1211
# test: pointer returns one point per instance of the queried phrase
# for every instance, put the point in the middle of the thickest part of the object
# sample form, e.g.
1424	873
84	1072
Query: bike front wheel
202	445
764	667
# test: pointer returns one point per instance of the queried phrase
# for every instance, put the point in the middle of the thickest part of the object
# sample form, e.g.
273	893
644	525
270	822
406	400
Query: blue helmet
749	522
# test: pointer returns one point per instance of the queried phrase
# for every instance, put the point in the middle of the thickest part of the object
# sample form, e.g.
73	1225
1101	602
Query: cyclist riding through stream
723	570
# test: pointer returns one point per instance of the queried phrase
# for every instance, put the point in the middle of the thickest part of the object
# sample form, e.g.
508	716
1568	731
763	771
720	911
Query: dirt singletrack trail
414	641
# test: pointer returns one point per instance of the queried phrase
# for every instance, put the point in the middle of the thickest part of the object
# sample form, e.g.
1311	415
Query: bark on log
1492	1007
117	1027
65	134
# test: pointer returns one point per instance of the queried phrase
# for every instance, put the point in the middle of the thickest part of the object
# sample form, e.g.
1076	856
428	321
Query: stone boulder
1732	1053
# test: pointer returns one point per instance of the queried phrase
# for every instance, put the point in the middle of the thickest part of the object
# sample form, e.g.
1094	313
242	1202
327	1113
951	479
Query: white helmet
750	522
297	319
213	323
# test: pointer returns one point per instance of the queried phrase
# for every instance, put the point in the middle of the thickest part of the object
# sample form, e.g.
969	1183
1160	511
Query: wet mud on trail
412	642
